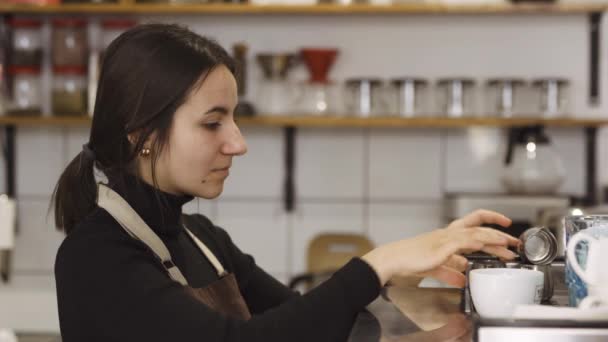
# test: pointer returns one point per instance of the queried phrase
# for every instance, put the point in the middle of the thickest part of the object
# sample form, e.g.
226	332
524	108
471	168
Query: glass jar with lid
457	96
552	93
70	44
69	91
408	97
27	38
364	97
26	90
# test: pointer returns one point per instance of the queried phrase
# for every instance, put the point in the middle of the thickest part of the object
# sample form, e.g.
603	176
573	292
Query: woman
132	268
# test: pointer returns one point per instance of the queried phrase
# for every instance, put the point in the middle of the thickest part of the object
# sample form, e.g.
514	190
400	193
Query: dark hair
147	73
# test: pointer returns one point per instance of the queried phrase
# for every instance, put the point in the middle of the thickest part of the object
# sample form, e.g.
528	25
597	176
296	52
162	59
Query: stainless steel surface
539	246
531	334
433	315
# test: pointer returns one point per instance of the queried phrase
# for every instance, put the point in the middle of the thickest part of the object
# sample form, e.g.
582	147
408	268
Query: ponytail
75	194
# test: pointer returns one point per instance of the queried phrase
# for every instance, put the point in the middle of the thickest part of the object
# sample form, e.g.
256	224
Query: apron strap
135	226
210	256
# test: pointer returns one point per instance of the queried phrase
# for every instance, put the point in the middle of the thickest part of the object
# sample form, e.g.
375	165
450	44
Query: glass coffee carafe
532	165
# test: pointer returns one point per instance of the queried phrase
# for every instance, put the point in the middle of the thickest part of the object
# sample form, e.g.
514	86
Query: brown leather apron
223	295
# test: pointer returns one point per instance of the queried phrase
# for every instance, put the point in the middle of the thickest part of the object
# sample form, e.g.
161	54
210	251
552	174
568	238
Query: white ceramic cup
597	297
595	272
497	291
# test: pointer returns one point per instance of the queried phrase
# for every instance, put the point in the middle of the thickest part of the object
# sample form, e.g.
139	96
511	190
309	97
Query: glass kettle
532	166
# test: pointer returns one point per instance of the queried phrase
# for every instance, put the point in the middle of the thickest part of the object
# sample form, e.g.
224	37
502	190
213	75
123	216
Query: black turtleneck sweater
111	288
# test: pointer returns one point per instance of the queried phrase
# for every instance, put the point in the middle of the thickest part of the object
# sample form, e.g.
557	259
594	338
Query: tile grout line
366	219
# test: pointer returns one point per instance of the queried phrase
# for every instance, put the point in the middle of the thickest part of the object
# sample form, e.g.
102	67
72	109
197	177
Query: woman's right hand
438	253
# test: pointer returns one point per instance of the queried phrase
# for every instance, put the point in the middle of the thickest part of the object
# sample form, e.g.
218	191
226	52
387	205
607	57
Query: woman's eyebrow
218	109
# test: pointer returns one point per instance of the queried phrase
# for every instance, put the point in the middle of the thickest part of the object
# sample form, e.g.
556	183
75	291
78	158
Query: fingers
476	239
457	262
508	239
479	217
447	275
500	252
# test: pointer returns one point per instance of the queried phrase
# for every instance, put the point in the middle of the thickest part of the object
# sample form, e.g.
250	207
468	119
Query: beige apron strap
135	226
207	252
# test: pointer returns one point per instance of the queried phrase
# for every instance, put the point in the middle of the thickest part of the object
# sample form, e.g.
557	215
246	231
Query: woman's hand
437	253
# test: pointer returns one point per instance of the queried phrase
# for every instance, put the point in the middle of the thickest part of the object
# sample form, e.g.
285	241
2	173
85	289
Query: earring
145	152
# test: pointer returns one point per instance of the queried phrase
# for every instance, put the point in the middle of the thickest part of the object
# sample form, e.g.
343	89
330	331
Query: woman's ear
135	136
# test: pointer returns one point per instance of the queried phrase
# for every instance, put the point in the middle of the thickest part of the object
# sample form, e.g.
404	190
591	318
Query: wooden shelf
320	9
430	122
340	121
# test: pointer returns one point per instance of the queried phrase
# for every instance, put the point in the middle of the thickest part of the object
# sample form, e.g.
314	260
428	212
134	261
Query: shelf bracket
289	185
590	198
595	19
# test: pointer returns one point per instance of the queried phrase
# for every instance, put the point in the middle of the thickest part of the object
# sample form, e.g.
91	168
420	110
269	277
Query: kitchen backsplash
388	183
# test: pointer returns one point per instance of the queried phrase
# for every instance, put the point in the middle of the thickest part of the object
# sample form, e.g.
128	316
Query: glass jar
364	97
70	91
27	42
26	90
504	96
552	95
457	97
408	97
70	45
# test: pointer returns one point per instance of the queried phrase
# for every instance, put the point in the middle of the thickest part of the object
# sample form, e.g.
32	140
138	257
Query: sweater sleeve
113	289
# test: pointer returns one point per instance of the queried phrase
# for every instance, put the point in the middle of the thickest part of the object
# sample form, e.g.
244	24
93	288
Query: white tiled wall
258	228
387	183
329	163
317	217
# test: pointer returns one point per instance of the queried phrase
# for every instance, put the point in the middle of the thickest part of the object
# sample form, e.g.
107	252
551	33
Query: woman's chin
211	191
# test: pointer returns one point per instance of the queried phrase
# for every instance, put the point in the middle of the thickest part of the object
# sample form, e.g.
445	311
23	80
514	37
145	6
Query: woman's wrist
375	260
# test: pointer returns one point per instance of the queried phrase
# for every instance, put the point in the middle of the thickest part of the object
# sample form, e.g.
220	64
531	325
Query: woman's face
203	140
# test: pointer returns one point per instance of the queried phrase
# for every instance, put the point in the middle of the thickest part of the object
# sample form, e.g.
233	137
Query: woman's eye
212	125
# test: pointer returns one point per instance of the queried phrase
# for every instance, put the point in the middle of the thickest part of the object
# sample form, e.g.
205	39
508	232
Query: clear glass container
534	166
457	97
408	97
552	95
364	97
69	91
504	97
318	99
276	95
26	90
27	42
69	42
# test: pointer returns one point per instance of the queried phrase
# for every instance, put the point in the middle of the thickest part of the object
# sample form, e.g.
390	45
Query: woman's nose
235	142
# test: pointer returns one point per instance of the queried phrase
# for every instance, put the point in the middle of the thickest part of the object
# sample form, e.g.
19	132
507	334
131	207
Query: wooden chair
328	252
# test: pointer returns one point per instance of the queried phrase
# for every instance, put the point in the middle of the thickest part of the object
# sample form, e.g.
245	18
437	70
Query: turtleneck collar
160	210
